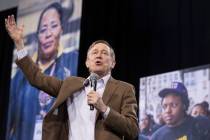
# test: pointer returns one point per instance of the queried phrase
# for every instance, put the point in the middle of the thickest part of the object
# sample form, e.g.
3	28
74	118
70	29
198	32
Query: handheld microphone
93	84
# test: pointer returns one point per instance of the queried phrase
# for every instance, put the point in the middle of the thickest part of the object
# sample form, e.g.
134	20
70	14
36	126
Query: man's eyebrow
94	49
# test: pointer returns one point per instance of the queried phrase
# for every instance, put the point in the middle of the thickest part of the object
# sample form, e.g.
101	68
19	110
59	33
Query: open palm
15	32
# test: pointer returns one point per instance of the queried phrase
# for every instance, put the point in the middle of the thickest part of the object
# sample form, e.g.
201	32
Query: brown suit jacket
121	122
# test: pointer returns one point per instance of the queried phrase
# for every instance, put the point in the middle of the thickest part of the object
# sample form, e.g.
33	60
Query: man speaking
70	118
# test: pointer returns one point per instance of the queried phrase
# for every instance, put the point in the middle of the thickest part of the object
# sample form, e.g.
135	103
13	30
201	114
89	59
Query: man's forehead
100	45
171	97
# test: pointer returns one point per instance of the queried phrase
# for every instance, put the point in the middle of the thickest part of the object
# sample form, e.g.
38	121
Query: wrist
21	53
106	113
19	45
104	108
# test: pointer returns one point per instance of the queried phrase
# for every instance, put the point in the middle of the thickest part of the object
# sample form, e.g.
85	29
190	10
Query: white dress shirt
82	119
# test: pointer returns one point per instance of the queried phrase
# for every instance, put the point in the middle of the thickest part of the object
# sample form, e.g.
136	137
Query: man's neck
101	75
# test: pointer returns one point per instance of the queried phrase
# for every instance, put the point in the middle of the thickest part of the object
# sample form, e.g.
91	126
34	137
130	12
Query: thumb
21	27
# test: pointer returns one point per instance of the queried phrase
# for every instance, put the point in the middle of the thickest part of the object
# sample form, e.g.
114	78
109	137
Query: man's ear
87	63
113	64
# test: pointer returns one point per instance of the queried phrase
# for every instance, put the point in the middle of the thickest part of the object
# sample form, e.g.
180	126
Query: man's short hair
103	42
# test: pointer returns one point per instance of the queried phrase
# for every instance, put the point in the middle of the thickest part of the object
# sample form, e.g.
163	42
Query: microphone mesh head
94	76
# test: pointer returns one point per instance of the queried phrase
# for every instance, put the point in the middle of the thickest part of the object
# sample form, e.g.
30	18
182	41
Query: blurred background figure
159	122
146	125
200	109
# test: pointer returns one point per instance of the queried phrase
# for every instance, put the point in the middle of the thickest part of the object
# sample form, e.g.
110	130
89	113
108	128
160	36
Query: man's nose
168	109
99	55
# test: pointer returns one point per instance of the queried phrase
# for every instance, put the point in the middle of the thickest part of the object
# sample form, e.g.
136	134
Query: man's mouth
168	118
98	62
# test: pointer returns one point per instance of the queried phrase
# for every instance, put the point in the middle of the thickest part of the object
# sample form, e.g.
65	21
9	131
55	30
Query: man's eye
174	105
164	107
106	53
94	52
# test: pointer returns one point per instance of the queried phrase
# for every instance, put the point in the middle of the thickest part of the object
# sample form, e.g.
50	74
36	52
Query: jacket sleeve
125	123
36	78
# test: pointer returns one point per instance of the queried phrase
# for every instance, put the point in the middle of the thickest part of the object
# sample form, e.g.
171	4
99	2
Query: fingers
13	20
7	25
21	27
6	21
10	21
92	97
11	25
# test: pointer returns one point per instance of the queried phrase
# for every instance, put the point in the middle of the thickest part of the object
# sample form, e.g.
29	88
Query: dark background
149	37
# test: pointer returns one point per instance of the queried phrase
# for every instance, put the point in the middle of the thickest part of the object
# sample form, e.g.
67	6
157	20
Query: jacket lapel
108	92
70	86
73	84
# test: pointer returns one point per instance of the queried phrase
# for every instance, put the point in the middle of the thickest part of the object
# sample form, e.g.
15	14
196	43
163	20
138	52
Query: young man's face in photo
173	110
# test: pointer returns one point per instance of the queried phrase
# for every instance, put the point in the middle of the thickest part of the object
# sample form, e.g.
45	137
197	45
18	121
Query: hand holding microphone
94	98
93	83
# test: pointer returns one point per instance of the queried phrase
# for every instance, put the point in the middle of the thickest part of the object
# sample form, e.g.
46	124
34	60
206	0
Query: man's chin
99	72
171	124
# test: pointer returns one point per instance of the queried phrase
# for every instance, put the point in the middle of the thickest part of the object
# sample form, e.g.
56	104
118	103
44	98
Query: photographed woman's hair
57	6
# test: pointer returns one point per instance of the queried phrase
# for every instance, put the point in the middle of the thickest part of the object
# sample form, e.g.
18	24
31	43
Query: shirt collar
102	80
105	79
